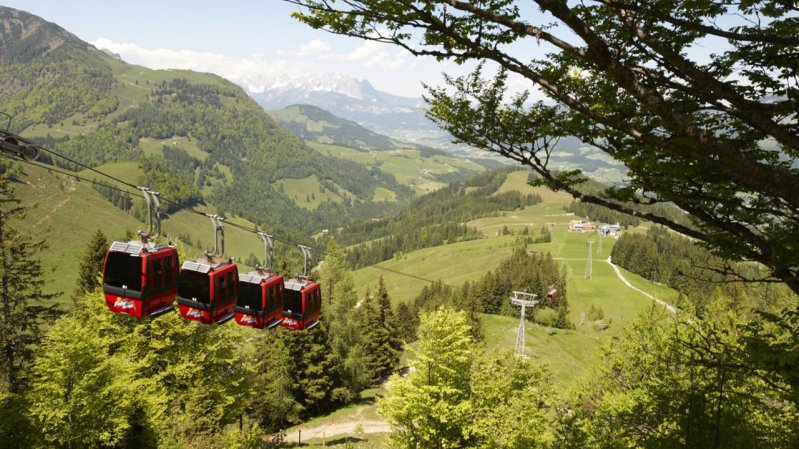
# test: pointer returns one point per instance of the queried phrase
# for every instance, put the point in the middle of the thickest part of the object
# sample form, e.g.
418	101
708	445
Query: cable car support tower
589	267
524	300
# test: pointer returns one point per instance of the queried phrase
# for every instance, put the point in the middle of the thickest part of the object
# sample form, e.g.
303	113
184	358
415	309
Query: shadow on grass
333	442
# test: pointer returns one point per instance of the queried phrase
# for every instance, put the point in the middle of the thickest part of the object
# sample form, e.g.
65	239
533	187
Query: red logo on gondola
290	322
248	319
194	313
124	304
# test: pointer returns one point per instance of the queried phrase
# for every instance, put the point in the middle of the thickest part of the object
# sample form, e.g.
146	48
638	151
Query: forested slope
71	97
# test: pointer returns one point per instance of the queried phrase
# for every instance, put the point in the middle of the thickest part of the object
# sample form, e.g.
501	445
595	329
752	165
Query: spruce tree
23	305
389	322
429	408
339	313
274	406
381	358
313	368
92	264
407	322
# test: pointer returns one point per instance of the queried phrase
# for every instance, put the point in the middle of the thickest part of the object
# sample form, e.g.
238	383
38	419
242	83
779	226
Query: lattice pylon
524	300
589	266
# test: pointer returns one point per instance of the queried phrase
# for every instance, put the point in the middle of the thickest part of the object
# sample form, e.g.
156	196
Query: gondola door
260	301
209	288
302	298
140	279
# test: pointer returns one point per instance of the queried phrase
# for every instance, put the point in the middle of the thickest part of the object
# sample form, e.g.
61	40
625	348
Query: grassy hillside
420	170
57	214
316	124
570	354
309	193
216	143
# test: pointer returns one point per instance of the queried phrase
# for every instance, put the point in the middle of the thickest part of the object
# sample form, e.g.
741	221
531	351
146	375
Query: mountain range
326	99
351	99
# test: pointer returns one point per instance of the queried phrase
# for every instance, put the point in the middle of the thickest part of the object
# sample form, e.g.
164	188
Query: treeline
106	144
671	259
118	198
172	181
603	214
433	219
535	273
386	248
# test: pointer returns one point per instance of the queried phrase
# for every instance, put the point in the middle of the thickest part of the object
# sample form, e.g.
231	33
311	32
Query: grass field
383	194
126	171
58	214
406	165
152	146
309	193
568	352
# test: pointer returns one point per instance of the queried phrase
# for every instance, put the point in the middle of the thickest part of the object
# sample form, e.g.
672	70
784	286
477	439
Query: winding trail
621	277
335	429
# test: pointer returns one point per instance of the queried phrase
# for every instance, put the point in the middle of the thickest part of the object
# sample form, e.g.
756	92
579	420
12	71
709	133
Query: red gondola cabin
208	290
140	279
260	301
302	304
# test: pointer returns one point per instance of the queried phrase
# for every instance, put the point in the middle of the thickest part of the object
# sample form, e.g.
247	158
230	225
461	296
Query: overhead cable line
192	210
93	181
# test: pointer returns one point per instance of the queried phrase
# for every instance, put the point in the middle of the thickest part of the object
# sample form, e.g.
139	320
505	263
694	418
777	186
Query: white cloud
374	54
316	47
254	73
257	73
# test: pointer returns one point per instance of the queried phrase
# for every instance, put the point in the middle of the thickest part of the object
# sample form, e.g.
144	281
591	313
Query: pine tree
339	312
381	358
24	306
407	322
92	264
313	368
389	322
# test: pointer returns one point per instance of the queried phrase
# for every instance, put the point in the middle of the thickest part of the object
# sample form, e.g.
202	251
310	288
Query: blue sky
250	42
257	44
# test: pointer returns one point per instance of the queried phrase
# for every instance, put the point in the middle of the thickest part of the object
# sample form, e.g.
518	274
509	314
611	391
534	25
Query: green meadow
309	193
406	165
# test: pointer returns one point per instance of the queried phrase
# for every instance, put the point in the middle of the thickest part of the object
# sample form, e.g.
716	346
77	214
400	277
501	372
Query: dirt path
665	305
48	215
335	429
